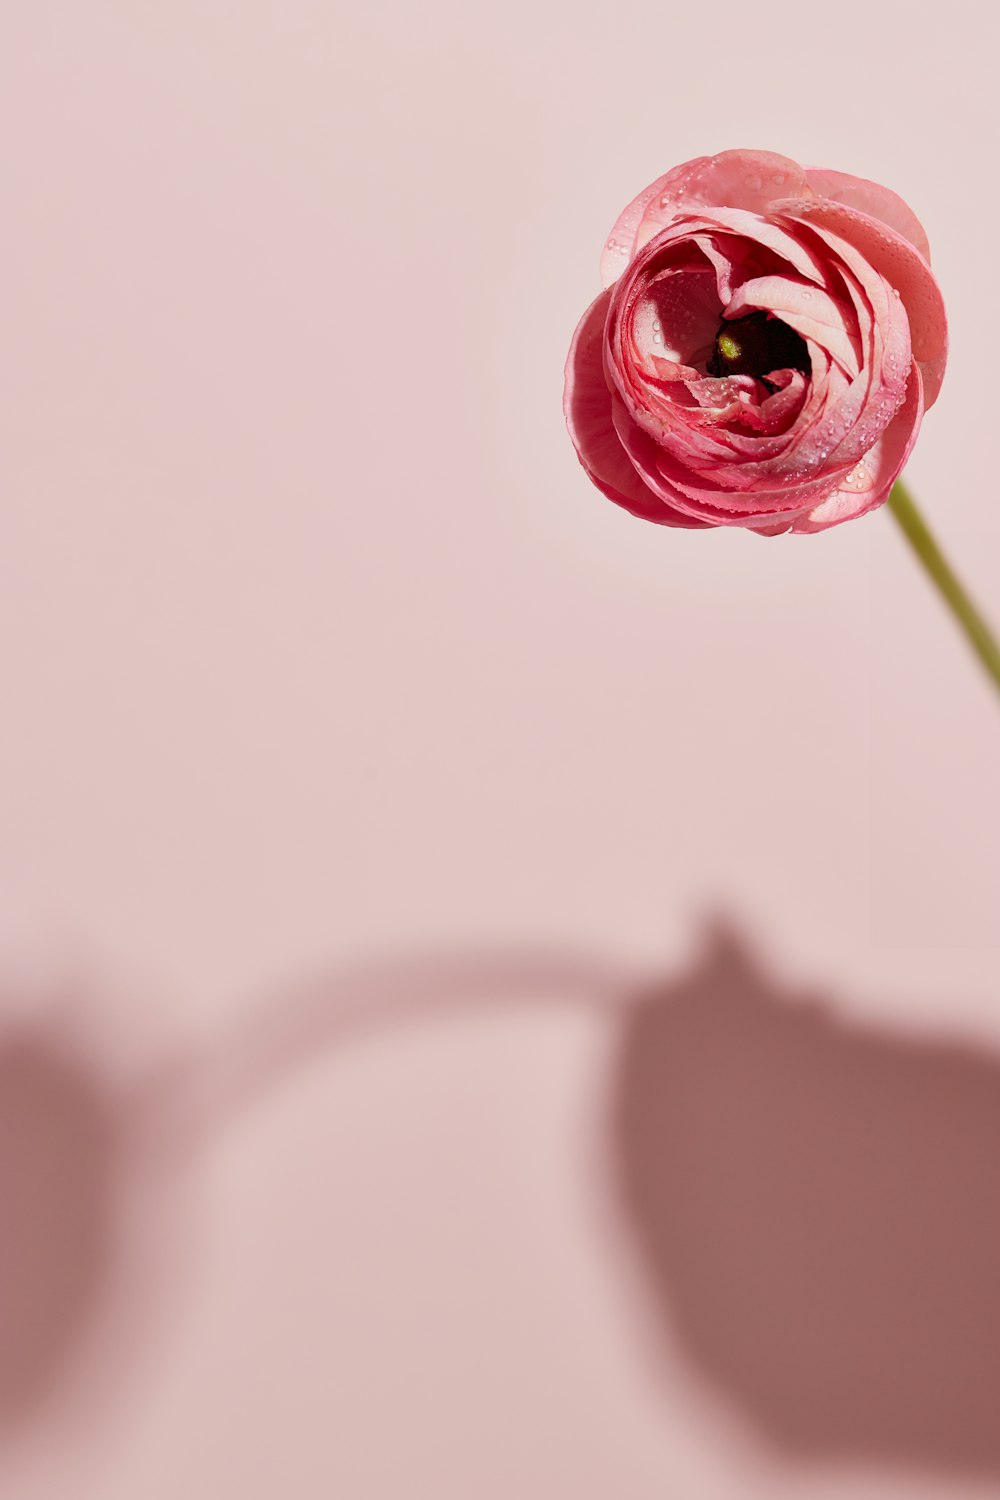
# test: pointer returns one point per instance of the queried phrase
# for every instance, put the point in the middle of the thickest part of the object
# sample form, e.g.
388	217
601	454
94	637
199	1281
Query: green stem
977	632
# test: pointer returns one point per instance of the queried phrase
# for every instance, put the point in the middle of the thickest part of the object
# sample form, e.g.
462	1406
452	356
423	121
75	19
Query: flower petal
872	199
736	179
818	317
681	485
868	485
902	266
587	406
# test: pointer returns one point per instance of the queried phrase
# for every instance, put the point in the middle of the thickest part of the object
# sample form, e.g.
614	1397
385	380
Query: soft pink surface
498	1000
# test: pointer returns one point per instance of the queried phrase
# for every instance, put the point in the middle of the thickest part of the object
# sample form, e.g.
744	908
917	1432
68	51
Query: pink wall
497	999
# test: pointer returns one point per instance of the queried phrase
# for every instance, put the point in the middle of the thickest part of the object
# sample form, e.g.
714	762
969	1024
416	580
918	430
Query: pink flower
764	349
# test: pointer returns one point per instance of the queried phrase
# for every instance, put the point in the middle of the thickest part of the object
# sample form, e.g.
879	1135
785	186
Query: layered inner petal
676	317
900	264
867	485
821	319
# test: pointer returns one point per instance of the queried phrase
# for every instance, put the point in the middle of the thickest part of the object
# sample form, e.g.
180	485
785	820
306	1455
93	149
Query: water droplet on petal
858	479
754	183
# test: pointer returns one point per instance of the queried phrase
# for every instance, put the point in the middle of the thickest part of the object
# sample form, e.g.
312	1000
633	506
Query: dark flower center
758	345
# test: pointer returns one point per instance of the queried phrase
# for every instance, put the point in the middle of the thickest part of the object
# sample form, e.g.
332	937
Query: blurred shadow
817	1206
57	1183
94	1221
270	1044
93	1227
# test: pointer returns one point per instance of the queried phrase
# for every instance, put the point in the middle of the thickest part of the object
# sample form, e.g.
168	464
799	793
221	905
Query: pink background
498	999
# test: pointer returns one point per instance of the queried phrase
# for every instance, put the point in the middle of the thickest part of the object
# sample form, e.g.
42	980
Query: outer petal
587	406
872	199
732	179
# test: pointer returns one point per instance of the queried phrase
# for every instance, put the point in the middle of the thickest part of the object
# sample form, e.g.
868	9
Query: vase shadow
99	1172
816	1206
96	1222
57	1189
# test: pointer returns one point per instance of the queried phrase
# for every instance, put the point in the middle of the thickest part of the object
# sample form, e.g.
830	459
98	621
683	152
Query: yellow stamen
728	347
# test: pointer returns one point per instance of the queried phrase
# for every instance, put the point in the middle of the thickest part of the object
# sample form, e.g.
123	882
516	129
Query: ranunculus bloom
764	349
